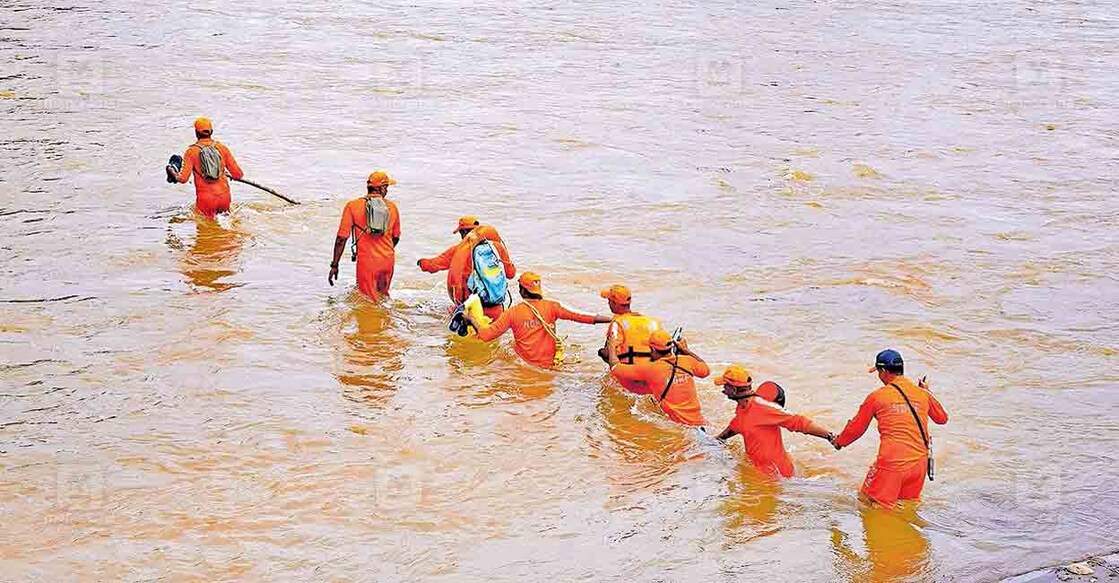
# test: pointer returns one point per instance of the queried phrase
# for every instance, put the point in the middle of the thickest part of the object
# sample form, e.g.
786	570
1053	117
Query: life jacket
634	330
487	278
210	163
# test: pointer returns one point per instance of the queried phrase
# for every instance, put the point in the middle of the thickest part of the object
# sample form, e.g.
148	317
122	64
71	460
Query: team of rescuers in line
643	357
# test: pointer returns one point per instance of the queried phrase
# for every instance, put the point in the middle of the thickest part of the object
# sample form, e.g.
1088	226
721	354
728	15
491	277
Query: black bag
930	470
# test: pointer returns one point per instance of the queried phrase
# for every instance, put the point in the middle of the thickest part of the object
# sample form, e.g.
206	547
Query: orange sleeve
439	262
396	219
857	426
562	313
699	369
736	423
633	374
231	162
190	160
936	411
503	253
793	422
497	328
346	227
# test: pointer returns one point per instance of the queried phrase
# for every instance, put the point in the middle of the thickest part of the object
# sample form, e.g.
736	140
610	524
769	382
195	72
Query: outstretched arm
439	262
813	428
858	424
494	330
562	313
799	423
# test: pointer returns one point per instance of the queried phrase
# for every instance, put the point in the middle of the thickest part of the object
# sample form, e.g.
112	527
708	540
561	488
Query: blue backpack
488	278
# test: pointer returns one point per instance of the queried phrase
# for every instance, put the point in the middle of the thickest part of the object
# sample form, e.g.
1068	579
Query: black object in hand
175	162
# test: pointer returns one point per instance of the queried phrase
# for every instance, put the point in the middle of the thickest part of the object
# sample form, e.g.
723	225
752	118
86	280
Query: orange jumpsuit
681	404
899	471
210	196
458	260
759	422
533	342
376	254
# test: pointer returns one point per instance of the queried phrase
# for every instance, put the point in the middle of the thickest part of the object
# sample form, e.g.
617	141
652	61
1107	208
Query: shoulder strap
920	427
672	377
547	326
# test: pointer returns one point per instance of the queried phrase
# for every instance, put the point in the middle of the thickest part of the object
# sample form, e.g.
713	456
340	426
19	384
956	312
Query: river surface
797	184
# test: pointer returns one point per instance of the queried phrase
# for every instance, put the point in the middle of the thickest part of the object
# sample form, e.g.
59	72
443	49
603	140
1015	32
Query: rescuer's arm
563	313
802	424
339	247
231	162
395	224
345	229
439	262
190	158
494	330
700	370
857	426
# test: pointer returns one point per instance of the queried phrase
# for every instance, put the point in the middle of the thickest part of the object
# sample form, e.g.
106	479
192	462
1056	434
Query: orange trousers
888	486
374	277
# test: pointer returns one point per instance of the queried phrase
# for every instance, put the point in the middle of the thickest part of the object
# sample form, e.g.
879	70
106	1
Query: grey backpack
210	161
376	215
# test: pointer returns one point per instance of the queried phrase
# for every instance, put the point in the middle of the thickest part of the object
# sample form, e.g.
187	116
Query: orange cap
736	375
203	124
660	340
379	178
531	282
466	223
619	294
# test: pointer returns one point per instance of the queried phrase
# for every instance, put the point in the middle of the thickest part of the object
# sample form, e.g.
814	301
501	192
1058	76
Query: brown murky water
798	185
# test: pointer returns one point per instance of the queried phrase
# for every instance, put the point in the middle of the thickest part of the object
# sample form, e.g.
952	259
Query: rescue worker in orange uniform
458	260
629	331
759	417
210	196
533	322
375	252
668	376
903	450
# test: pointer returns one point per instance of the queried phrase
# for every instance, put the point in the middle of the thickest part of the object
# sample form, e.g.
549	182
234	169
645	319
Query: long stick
265	189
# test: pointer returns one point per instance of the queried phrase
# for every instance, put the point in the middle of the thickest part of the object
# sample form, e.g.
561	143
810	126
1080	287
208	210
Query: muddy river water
797	184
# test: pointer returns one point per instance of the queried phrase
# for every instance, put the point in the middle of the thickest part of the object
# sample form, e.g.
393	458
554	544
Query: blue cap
888	358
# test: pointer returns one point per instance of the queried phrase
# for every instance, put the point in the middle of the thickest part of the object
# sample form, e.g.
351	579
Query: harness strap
929	464
547	327
672	377
630	356
924	438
